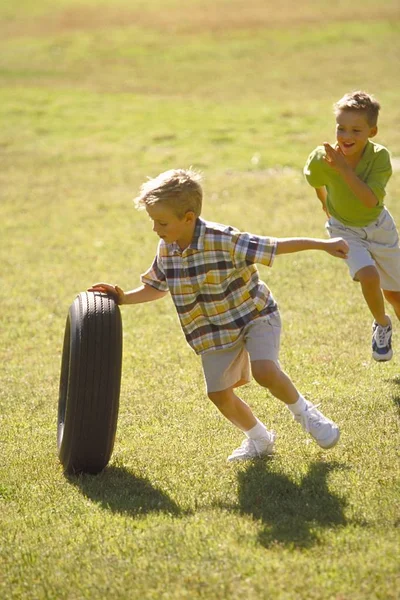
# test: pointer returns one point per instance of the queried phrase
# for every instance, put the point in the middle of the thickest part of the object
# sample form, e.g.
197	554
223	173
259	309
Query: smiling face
169	227
353	132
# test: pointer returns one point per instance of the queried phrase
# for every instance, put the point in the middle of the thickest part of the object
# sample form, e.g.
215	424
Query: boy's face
353	132
171	228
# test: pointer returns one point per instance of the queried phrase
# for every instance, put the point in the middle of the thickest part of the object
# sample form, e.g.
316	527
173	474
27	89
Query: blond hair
362	102
179	189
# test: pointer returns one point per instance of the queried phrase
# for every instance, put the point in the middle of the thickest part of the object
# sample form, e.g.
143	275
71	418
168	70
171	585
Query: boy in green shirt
350	179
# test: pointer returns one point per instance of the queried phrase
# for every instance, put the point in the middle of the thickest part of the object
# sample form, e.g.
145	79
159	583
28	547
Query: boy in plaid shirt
228	315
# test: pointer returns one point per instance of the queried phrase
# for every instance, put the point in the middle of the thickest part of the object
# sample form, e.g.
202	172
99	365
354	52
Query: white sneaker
250	449
324	431
382	341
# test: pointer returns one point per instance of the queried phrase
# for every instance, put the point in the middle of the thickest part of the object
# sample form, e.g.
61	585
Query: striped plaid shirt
214	283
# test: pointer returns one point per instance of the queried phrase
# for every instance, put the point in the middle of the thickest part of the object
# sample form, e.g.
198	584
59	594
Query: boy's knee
265	372
392	297
218	398
368	276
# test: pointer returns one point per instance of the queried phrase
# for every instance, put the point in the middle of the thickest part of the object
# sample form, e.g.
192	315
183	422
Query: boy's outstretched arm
335	246
144	293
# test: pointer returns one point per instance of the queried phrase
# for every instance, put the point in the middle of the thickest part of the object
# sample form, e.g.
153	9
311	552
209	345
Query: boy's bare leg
382	326
233	408
269	375
371	289
259	441
394	299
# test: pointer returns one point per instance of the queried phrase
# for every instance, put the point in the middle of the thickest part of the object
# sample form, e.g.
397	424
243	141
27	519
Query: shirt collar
367	154
197	242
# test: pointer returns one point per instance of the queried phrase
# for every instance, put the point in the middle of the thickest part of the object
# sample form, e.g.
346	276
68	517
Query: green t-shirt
374	168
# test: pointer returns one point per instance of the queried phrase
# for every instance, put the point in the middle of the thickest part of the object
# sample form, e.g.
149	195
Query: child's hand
111	290
337	247
335	158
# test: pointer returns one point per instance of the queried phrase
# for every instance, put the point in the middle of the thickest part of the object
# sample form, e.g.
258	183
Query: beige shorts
375	245
229	368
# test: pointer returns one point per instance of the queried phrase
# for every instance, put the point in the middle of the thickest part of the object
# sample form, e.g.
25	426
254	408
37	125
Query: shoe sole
241	458
382	357
332	443
269	454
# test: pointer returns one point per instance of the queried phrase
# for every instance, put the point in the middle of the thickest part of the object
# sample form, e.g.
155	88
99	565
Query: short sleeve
380	174
155	276
315	168
248	249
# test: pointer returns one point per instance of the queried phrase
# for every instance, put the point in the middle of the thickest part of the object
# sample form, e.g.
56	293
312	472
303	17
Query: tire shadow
291	513
120	491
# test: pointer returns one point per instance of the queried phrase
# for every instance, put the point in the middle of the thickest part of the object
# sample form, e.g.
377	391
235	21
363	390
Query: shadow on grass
292	513
396	398
119	490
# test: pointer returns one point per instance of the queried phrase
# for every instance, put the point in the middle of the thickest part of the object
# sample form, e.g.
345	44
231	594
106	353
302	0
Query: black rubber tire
89	383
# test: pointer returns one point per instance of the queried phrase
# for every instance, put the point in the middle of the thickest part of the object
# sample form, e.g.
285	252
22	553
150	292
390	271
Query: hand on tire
111	290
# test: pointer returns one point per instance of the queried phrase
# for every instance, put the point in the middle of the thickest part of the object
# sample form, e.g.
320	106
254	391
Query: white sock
258	432
299	406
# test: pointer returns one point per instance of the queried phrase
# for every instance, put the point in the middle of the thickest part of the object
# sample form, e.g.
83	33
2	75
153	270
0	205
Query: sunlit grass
87	113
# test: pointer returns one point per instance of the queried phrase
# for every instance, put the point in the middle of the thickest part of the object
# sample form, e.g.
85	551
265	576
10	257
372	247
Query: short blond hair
179	189
361	102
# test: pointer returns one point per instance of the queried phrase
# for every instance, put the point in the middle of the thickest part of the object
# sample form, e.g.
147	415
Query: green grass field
95	97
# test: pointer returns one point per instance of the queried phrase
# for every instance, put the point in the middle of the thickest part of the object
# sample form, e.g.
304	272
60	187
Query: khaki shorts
229	368
375	245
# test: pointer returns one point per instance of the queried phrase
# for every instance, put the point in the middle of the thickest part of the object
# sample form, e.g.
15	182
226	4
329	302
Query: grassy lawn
95	97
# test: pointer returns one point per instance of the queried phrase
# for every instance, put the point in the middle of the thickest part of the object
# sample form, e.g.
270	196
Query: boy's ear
373	131
190	216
